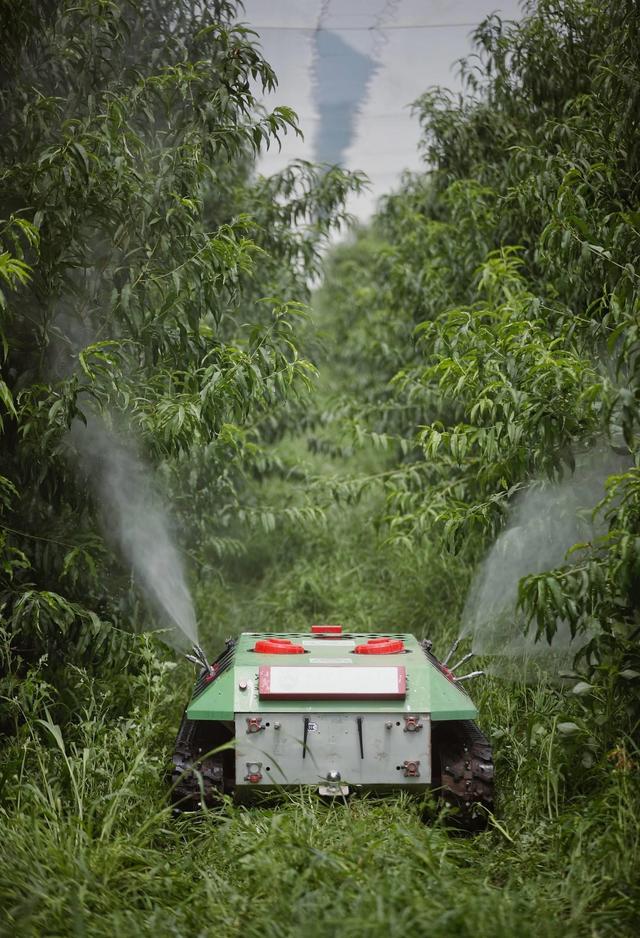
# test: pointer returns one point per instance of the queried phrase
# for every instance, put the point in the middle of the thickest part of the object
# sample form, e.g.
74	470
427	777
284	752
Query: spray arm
199	659
467	677
454	667
451	651
198	652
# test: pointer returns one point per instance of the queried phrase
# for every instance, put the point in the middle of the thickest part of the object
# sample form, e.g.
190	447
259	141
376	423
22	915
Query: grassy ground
89	846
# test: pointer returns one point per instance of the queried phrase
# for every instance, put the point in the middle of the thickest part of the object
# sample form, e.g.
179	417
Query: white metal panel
277	752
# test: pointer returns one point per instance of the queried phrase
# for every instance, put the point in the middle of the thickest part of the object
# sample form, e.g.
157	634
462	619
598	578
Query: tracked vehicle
338	711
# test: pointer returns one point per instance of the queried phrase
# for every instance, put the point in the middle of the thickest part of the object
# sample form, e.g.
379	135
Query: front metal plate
278	754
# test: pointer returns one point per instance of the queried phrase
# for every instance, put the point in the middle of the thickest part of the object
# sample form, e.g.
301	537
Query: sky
352	68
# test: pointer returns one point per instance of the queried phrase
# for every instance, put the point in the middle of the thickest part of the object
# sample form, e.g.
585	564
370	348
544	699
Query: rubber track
466	773
194	779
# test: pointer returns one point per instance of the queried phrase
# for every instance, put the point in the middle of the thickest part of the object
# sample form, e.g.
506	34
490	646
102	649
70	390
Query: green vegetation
496	302
89	846
480	334
149	283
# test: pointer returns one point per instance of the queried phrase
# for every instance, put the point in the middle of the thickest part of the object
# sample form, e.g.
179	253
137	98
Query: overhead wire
359	29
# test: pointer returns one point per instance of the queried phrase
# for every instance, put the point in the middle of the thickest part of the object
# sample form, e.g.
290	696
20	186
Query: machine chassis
330	717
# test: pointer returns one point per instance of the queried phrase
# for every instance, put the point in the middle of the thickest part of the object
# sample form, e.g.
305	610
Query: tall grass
89	846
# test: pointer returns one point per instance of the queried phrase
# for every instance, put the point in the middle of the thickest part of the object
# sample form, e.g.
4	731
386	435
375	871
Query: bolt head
242	685
333	776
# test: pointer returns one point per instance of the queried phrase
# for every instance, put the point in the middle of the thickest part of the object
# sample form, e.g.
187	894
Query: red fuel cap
326	629
387	646
277	646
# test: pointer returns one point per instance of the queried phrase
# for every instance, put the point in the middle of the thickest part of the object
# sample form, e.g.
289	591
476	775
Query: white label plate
329	683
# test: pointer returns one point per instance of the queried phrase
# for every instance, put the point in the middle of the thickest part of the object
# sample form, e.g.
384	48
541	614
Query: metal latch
254	724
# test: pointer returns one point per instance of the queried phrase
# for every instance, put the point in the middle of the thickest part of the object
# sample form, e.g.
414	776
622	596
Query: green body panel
428	690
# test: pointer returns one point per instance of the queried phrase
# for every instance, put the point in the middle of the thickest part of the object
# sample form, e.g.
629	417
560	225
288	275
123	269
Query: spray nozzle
454	667
200	659
467	677
451	651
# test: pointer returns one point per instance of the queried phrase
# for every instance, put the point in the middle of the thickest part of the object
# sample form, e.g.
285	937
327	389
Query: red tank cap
326	629
277	646
391	646
377	641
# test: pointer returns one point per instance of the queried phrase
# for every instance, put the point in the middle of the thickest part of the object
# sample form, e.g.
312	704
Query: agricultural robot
338	711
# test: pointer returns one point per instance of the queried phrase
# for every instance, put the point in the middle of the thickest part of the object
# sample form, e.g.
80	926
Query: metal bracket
333	791
412	724
411	768
333	788
254	774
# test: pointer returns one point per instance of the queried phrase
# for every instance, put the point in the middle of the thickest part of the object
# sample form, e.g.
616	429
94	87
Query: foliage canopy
482	334
493	308
148	280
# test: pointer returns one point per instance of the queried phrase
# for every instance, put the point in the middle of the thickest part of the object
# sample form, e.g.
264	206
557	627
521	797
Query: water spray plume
545	522
134	519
